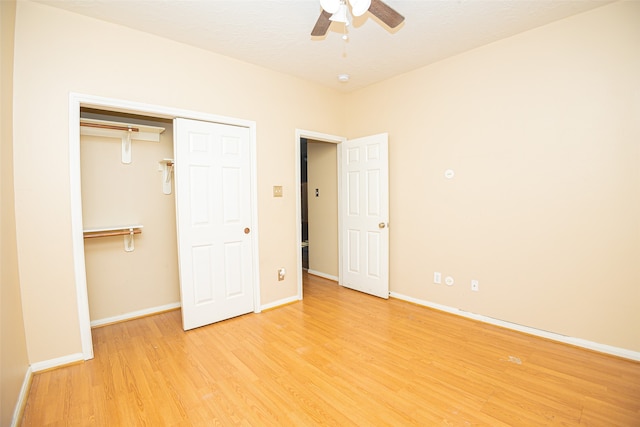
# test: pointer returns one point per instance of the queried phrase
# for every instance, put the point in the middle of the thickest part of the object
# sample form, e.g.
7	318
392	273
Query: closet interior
128	214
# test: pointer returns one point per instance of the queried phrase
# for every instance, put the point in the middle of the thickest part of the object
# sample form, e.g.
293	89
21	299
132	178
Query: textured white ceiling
276	33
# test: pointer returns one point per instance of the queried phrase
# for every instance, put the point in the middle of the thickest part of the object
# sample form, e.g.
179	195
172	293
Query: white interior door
213	197
365	215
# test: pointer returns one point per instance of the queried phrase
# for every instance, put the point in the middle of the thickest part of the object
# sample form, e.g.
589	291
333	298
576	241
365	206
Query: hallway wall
323	209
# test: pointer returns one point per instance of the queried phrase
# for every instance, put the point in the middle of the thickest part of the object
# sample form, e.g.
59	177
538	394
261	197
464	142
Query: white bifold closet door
213	198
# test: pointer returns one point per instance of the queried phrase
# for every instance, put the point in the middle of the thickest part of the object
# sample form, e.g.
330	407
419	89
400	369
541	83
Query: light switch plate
277	191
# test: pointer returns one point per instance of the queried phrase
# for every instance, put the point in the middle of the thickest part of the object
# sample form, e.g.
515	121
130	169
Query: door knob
247	230
382	225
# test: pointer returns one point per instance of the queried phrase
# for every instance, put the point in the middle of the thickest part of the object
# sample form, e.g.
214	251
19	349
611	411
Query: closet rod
102	126
91	235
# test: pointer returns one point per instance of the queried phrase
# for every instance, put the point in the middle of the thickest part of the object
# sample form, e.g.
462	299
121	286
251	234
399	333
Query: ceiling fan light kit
341	15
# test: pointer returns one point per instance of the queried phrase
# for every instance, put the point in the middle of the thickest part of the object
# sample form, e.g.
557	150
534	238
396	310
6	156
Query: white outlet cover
437	277
449	281
449	173
475	285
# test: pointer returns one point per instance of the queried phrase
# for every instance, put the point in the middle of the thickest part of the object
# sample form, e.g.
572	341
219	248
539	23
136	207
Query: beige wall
14	361
58	52
540	128
115	194
543	133
322	170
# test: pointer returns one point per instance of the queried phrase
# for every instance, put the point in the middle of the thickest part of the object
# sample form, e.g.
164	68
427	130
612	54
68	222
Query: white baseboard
22	398
324	275
57	362
579	342
135	314
279	303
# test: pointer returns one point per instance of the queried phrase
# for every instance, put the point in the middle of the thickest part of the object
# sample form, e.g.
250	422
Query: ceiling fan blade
385	13
322	24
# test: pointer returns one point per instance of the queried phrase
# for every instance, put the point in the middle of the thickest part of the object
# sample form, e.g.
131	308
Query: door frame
322	137
78	100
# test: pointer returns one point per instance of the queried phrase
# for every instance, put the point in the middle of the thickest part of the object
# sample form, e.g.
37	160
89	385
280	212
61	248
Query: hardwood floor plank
341	358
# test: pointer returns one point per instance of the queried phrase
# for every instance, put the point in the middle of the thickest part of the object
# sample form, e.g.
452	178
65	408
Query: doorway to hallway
319	207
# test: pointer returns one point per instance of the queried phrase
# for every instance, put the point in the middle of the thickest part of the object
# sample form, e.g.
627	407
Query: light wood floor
338	358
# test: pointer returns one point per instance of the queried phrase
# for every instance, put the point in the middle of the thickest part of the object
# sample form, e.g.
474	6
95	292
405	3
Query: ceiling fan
337	10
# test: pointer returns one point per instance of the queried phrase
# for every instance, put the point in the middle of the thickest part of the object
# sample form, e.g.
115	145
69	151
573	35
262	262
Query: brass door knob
247	230
382	225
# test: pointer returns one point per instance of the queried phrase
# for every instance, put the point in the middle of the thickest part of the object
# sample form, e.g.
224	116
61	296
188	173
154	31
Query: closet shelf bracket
128	231
166	167
126	147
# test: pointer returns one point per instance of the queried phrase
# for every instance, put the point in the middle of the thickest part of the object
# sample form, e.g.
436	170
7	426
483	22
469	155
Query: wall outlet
437	277
475	285
281	273
277	191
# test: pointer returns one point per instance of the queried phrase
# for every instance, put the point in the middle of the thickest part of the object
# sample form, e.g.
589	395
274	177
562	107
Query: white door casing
214	216
365	215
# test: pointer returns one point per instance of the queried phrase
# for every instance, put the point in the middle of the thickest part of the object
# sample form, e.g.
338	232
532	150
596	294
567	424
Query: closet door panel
213	197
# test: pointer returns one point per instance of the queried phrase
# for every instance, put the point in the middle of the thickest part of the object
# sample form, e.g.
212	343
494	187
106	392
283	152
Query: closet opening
128	215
